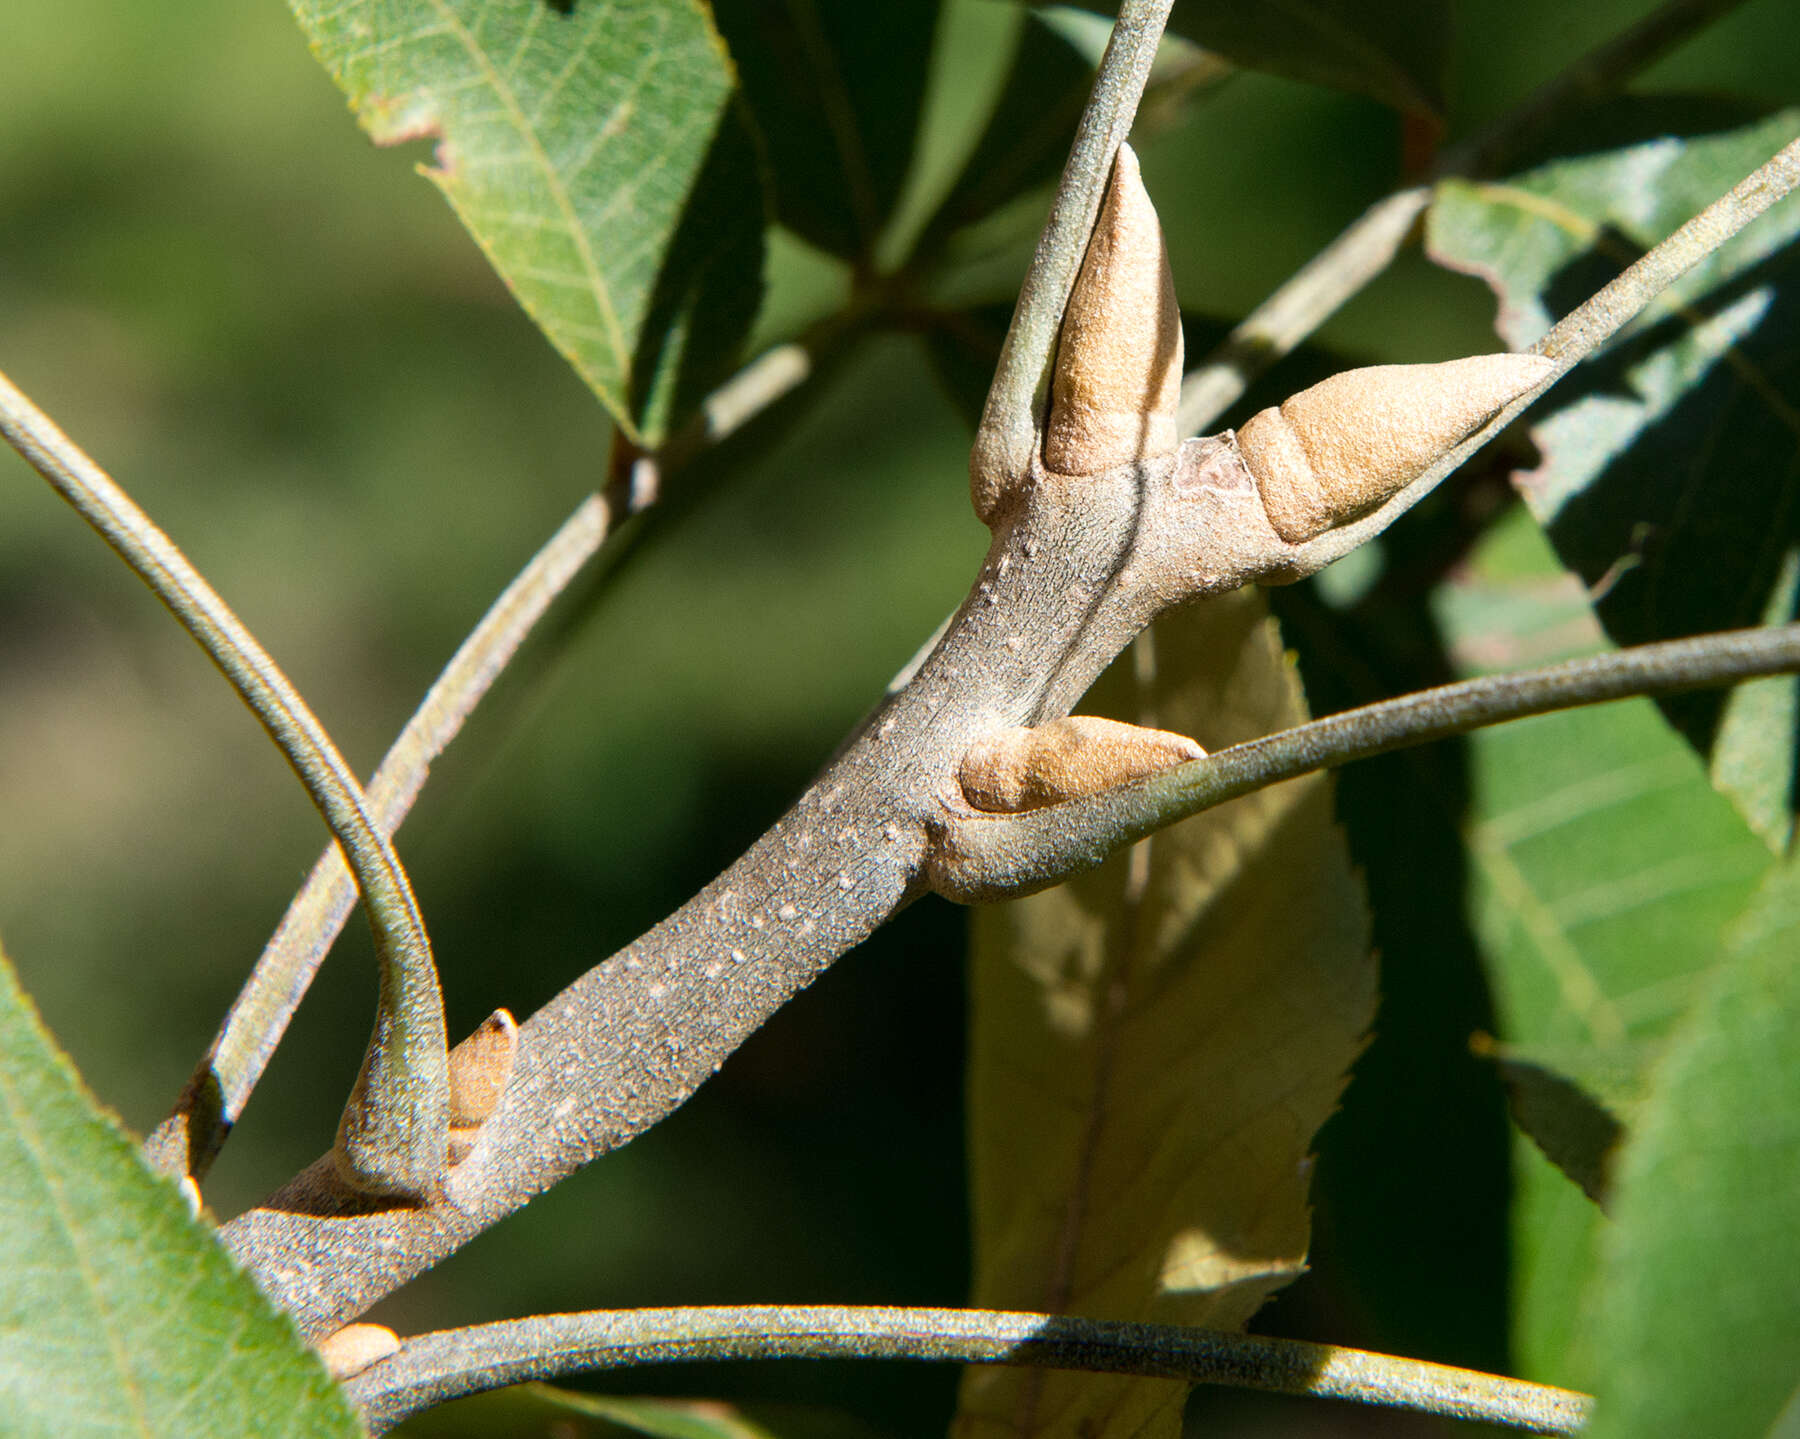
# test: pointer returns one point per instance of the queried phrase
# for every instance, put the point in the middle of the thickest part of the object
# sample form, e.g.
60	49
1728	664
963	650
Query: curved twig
435	1367
189	1140
396	1125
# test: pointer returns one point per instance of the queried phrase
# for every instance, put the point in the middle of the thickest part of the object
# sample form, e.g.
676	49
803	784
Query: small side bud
1117	380
479	1068
355	1347
1330	453
1018	769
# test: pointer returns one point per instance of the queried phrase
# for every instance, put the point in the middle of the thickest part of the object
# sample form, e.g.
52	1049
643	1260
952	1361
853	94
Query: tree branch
435	1367
396	1124
1077	567
1000	856
189	1140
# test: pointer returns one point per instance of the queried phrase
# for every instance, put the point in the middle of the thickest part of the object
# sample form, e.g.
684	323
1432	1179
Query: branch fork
1079	564
1085	553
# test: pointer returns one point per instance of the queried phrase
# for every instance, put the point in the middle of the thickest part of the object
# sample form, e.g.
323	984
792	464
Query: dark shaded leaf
595	154
1423	1118
964	348
835	89
1671	475
1028	137
1577	1132
1395	51
121	1312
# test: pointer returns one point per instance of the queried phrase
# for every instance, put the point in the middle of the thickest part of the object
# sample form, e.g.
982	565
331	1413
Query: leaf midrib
503	90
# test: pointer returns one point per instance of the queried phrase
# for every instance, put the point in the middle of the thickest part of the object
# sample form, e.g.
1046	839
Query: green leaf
1606	873
1671	474
543	1409
1395	51
1155	1045
1700	1318
120	1311
836	91
595	153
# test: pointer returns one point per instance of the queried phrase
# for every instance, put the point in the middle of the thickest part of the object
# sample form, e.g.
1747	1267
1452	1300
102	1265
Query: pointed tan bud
1118	365
1329	453
1019	769
355	1347
479	1068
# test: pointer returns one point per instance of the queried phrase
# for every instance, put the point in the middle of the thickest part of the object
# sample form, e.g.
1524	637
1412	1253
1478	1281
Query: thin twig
1079	834
1008	431
1368	246
435	1367
1668	667
1586	328
1583	331
190	1138
397	1122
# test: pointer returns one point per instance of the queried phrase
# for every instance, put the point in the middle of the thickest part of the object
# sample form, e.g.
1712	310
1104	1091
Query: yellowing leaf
1154	1047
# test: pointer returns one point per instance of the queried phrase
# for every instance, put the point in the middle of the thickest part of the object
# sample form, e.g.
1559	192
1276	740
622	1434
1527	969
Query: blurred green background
279	339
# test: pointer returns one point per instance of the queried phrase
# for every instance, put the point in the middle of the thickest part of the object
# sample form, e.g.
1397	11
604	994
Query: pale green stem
189	1140
435	1367
395	1128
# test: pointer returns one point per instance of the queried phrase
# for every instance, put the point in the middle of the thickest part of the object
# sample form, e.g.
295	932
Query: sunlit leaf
595	153
1606	874
120	1312
836	91
1699	1317
1155	1046
1671	474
